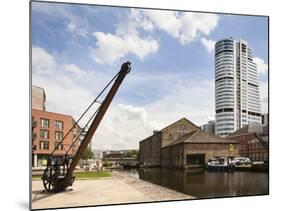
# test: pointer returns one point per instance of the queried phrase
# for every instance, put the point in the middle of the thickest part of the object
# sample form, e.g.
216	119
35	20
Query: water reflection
206	184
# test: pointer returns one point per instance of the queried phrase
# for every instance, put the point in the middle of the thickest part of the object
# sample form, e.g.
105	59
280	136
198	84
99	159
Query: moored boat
221	164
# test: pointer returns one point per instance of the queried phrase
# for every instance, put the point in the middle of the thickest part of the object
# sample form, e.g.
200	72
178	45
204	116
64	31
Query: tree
131	154
88	154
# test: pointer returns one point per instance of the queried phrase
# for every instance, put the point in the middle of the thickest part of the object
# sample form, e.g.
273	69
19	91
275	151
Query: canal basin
204	184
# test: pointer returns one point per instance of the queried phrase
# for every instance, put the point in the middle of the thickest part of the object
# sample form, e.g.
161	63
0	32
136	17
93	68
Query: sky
77	49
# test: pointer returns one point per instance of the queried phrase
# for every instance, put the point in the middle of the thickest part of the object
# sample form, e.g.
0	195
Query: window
44	145
243	48
224	110
195	159
44	123
58	124
58	146
44	134
58	135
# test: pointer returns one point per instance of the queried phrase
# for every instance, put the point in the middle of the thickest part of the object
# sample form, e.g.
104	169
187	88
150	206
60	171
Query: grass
88	175
92	174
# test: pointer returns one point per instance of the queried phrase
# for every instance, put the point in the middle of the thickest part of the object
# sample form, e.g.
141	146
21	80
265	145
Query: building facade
150	148
49	128
250	146
210	127
236	86
195	149
183	144
38	98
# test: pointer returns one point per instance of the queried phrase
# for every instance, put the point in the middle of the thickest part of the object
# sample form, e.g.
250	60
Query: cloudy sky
77	49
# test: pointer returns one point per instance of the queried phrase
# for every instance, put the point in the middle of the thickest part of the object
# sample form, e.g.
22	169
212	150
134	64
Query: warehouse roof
165	128
201	136
250	128
182	119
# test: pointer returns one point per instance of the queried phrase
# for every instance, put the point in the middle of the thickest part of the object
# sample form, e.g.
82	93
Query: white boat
241	161
220	164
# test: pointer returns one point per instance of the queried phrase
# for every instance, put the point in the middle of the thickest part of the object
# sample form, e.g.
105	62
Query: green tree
88	154
131	154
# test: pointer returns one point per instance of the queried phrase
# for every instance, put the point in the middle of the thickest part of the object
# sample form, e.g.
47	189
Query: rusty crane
58	174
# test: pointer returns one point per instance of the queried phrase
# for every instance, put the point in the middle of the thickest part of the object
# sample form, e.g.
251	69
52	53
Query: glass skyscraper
237	86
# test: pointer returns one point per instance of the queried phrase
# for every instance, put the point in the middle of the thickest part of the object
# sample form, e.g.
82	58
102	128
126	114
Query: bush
107	163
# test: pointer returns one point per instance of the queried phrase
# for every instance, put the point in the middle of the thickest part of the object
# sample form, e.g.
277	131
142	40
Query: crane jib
58	174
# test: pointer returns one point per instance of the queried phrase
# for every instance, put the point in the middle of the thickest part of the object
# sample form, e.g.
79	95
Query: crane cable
76	123
83	130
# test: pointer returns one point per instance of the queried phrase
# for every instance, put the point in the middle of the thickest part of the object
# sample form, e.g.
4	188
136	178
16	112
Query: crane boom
53	180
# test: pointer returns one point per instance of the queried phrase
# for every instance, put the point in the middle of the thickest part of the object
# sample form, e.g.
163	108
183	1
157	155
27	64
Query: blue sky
78	48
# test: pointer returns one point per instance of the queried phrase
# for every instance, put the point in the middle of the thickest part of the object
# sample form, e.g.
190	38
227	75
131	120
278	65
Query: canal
204	184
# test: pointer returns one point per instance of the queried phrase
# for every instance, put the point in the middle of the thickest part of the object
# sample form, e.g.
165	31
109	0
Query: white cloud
195	25
111	48
164	20
137	17
62	89
262	67
208	44
134	21
42	62
186	27
191	99
126	125
264	96
75	69
71	26
123	127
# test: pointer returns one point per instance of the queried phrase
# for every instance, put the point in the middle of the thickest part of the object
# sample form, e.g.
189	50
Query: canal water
204	184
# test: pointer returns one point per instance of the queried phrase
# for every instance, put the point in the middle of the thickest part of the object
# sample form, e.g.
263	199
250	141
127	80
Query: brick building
150	148
250	146
182	144
49	128
195	149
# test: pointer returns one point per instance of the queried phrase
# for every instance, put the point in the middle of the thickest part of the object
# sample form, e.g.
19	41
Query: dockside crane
58	174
